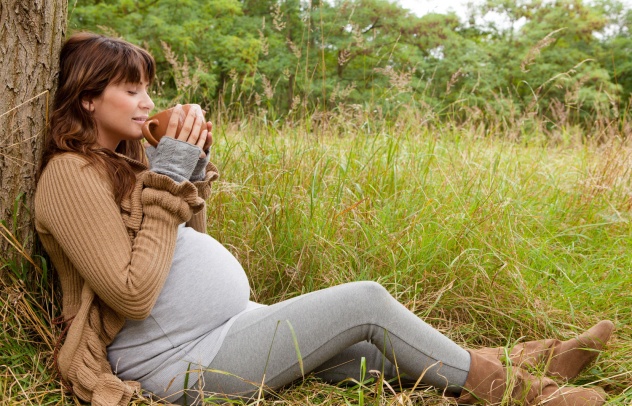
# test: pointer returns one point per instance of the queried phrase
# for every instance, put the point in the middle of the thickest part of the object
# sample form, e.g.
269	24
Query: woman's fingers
194	129
202	142
192	126
198	124
209	137
187	126
172	126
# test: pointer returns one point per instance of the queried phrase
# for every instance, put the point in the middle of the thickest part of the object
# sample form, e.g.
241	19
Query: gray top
205	291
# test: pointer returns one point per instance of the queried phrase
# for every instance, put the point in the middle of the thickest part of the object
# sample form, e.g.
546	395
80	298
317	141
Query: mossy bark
31	35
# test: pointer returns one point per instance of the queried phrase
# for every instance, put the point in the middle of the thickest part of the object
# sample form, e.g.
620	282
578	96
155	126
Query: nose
147	102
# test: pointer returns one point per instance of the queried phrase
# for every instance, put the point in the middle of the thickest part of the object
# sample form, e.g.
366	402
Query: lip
140	119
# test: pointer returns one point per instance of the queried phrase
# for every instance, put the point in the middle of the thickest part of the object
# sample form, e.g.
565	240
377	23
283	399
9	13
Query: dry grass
492	228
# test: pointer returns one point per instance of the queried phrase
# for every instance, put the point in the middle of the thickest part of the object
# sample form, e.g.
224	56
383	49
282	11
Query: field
491	240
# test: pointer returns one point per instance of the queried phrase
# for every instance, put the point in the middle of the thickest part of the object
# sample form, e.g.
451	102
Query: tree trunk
31	34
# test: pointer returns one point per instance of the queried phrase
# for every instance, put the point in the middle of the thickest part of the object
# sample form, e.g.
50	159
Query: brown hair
88	63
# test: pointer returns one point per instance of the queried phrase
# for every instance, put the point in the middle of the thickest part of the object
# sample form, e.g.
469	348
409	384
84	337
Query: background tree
562	63
31	35
199	46
617	47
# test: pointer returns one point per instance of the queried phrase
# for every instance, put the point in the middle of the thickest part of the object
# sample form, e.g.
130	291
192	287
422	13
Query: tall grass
488	239
27	337
492	225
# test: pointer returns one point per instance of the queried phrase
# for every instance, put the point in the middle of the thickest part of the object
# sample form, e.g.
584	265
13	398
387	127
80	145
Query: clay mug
156	126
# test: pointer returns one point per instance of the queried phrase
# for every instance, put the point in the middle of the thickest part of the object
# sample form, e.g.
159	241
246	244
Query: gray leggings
333	329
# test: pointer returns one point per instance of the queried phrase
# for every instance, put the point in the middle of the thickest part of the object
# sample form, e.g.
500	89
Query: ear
88	105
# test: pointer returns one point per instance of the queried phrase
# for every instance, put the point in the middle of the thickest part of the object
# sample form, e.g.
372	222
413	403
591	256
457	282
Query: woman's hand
209	137
194	130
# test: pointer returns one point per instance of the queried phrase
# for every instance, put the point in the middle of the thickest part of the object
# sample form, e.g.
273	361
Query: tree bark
31	35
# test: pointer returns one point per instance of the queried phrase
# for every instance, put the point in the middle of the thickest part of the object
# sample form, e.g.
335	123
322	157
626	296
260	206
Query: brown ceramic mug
156	126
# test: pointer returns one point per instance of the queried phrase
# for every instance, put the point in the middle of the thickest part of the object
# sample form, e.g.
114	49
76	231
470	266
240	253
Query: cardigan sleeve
76	207
198	220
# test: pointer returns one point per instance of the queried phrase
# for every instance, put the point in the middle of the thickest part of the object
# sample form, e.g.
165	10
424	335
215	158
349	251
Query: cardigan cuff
204	185
174	158
163	191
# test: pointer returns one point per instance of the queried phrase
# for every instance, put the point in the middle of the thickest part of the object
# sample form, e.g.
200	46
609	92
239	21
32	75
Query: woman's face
120	112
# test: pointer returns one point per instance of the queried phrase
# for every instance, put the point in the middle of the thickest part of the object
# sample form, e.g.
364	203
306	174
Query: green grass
489	240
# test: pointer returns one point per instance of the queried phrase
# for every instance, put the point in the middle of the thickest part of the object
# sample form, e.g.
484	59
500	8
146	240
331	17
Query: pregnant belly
205	287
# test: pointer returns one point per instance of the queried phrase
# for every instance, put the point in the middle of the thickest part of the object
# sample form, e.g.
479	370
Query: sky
421	7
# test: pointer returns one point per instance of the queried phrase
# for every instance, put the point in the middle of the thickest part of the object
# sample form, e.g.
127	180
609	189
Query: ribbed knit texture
112	260
177	159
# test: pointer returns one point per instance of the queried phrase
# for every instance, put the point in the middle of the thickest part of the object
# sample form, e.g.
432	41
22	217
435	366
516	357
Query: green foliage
194	42
564	62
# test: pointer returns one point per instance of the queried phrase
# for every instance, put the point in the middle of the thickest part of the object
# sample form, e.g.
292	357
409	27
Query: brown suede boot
563	359
490	383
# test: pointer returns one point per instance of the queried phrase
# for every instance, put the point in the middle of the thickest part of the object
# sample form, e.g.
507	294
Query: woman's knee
367	294
370	288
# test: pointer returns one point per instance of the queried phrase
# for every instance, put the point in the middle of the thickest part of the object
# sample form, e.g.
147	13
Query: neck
107	143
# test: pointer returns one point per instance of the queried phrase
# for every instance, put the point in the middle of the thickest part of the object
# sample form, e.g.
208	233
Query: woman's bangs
134	67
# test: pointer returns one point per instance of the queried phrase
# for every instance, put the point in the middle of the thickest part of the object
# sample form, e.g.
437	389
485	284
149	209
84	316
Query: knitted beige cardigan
112	260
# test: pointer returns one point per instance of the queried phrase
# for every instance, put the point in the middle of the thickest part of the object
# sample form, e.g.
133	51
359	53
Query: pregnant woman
153	303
